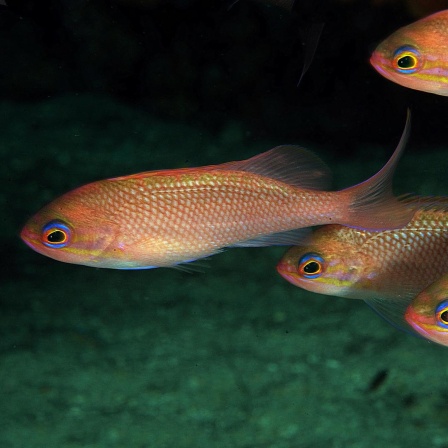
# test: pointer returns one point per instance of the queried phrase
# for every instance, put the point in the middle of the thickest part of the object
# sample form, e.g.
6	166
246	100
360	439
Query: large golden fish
164	218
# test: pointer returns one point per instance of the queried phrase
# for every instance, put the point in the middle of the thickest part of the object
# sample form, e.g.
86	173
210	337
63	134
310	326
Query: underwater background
232	356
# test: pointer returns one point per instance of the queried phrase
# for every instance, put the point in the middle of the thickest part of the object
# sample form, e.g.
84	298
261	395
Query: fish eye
311	265
442	313
406	59
56	234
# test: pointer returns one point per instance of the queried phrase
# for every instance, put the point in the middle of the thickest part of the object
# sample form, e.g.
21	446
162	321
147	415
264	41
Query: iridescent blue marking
407	49
441	307
311	257
55	226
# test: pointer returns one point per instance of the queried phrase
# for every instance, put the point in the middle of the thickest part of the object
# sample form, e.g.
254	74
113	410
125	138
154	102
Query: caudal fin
373	205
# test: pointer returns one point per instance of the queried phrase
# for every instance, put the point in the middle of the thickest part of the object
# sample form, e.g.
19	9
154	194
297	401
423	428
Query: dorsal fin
287	163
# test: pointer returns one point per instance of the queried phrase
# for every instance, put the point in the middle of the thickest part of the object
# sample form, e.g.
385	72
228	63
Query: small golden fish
386	269
416	56
360	264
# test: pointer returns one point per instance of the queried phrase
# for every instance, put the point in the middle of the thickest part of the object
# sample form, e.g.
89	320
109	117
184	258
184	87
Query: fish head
71	229
330	263
414	56
427	314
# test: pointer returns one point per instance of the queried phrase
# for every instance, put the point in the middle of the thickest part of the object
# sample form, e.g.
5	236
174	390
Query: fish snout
288	271
29	237
419	323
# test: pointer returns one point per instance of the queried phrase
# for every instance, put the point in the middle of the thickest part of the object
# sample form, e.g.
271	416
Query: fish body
427	314
164	218
390	265
416	56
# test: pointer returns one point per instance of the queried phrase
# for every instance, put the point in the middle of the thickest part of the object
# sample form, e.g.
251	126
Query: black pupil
311	268
444	316
406	62
56	236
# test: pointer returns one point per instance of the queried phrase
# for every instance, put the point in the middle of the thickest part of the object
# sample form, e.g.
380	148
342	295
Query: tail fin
373	205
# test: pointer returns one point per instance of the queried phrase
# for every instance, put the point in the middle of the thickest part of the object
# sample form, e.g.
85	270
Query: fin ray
373	205
288	238
392	311
287	163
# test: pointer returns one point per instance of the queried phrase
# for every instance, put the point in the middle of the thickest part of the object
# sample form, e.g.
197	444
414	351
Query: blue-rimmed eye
406	59
311	265
56	234
442	314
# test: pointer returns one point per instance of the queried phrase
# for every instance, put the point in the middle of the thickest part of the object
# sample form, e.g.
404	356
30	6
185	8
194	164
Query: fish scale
176	207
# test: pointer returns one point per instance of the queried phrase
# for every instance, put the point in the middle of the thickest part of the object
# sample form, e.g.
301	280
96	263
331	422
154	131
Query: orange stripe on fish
163	218
416	56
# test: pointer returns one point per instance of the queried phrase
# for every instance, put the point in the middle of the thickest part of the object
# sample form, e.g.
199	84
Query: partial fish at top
416	56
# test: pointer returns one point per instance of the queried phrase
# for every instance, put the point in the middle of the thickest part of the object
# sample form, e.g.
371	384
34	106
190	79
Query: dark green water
232	356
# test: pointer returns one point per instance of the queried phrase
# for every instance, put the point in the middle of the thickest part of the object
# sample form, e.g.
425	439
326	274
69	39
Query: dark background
232	356
208	62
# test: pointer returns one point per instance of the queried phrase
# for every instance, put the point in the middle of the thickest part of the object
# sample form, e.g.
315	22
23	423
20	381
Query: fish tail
372	204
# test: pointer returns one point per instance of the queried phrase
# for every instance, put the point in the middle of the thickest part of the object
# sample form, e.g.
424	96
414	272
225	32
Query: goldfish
168	217
427	314
416	56
386	269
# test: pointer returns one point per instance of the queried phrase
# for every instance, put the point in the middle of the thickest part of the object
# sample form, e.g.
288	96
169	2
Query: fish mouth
410	316
382	64
374	59
285	269
288	277
423	327
418	322
29	238
289	273
379	64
